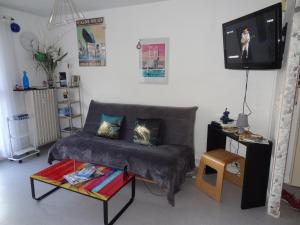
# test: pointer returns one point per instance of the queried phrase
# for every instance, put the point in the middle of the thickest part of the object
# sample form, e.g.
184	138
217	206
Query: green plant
49	59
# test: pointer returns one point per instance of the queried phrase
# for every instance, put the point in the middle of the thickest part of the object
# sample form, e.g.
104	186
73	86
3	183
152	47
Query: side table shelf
257	165
70	122
26	151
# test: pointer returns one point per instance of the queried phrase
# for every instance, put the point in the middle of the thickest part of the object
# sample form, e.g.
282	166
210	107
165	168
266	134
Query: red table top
102	187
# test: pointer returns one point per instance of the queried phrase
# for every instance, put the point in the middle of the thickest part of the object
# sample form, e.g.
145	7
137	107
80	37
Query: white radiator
41	105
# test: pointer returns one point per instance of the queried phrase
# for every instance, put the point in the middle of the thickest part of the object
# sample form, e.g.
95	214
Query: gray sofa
166	164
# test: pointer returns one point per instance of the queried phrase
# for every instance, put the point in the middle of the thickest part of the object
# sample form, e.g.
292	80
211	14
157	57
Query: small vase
50	84
50	80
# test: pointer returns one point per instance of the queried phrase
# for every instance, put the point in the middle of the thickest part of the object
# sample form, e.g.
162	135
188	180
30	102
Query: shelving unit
73	103
24	151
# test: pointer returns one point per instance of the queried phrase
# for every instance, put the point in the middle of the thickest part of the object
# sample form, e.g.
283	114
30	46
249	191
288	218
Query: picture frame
154	60
63	79
91	42
75	80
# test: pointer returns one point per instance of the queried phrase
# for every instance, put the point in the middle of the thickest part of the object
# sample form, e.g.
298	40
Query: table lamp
242	122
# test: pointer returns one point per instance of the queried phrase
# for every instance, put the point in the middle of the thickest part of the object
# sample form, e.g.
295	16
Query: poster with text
154	60
91	42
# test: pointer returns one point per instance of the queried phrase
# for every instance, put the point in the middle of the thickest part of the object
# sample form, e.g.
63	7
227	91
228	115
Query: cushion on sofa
110	126
146	131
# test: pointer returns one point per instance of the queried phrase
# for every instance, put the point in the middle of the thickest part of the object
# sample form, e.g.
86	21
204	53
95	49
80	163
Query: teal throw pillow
110	126
146	131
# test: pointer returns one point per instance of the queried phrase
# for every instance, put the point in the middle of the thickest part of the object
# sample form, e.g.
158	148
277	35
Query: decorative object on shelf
48	59
65	94
91	42
18	88
154	55
225	118
63	79
75	80
25	81
64	12
65	111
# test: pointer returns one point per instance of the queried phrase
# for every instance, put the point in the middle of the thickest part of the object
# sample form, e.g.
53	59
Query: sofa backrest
177	122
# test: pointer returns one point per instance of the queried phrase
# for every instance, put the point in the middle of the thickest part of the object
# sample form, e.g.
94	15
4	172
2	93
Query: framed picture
91	42
63	79
154	60
75	80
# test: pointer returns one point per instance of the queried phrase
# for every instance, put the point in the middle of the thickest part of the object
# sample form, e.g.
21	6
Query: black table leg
105	206
257	167
44	195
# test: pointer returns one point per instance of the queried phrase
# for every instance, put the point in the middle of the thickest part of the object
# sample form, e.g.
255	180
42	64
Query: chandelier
64	12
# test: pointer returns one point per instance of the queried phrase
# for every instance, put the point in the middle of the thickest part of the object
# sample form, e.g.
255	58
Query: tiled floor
66	208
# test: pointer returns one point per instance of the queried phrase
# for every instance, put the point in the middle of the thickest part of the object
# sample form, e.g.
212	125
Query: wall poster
91	42
154	54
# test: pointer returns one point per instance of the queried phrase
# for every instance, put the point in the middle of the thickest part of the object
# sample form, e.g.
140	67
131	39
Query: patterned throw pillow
146	131
110	126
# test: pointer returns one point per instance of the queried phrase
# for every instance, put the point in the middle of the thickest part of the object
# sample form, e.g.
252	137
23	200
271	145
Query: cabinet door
296	167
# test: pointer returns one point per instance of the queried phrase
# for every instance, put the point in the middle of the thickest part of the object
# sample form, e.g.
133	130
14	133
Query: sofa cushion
146	131
110	126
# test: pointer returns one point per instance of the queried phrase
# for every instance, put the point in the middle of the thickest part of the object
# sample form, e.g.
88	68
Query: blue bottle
25	81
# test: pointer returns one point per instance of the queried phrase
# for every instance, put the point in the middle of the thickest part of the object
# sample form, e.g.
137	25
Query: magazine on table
83	175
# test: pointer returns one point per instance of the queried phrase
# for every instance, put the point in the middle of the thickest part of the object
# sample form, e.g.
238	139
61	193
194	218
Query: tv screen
254	41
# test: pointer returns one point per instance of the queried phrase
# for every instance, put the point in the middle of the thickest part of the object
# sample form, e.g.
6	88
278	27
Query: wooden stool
218	159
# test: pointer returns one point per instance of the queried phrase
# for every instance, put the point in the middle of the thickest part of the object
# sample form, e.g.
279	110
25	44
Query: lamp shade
242	121
64	12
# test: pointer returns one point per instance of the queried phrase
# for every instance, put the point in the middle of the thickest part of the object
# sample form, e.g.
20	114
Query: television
254	41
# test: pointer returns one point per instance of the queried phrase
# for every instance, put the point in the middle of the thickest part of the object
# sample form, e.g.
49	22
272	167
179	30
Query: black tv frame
278	48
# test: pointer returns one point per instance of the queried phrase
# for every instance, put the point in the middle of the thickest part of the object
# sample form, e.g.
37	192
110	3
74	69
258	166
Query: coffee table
102	188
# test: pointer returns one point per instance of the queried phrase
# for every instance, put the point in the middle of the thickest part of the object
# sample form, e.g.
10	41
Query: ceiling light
64	12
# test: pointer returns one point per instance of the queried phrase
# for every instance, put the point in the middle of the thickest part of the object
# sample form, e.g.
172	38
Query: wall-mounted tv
254	41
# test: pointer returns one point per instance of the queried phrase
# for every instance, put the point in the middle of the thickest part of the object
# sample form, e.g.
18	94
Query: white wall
28	23
196	69
23	58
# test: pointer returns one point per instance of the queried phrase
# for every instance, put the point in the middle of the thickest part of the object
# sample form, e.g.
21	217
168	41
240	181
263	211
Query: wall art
91	42
154	56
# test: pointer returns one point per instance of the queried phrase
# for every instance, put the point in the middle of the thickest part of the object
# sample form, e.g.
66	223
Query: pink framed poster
154	54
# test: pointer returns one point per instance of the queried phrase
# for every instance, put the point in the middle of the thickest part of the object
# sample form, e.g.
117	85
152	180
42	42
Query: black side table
257	165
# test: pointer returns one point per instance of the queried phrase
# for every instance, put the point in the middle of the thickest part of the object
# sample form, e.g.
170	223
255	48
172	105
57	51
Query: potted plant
48	61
